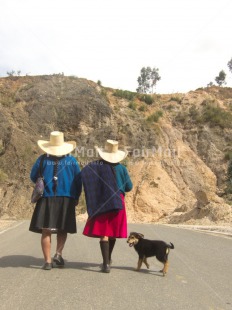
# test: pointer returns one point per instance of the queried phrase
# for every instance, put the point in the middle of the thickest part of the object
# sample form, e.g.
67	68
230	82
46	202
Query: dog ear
140	236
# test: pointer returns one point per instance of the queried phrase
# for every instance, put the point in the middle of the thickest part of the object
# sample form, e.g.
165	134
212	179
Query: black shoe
105	268
58	259
47	266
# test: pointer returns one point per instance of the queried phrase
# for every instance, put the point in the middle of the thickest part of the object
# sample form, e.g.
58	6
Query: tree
210	84
155	77
230	65
221	78
13	73
147	80
10	73
143	80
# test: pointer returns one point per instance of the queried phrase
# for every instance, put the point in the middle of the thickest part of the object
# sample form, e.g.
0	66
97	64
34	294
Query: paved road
199	276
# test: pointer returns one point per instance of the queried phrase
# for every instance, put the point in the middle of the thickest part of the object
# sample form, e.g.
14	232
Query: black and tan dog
148	248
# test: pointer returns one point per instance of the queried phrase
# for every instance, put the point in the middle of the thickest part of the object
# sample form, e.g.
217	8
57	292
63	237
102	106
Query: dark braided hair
55	172
55	177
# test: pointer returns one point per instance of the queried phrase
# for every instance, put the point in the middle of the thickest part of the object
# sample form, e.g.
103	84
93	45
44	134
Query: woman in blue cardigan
55	210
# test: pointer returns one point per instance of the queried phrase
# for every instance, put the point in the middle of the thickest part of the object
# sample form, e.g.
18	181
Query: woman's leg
104	245
46	245
61	239
111	247
105	238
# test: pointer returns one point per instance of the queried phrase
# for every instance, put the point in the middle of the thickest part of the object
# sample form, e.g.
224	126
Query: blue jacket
122	177
69	176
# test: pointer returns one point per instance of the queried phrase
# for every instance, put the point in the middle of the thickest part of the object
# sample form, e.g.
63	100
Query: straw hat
56	146
111	152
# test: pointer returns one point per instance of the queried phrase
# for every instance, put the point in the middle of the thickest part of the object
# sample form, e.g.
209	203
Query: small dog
148	248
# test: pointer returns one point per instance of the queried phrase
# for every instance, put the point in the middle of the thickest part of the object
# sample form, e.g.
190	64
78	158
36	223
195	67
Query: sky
189	41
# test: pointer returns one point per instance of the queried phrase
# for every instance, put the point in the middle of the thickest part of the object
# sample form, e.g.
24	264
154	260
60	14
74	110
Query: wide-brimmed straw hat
56	146
111	153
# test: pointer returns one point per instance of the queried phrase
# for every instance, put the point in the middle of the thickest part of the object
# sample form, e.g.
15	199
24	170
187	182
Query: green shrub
148	99
228	189
155	116
228	155
124	94
229	171
216	116
132	105
210	113
142	108
194	113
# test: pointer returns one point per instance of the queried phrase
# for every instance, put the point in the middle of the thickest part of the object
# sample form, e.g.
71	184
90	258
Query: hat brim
64	149
112	157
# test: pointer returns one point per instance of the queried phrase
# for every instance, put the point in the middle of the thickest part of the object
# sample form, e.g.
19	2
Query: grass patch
124	94
142	108
211	114
178	99
228	155
132	105
155	116
216	116
148	99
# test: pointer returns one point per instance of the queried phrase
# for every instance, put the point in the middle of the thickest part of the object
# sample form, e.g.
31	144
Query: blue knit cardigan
69	182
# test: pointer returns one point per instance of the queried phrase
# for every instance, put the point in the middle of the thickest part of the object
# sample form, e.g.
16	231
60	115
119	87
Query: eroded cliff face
176	189
178	164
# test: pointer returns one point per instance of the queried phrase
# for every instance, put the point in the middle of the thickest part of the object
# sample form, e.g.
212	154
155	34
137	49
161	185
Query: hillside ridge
179	145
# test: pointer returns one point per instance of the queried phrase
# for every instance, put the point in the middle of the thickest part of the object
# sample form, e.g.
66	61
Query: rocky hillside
179	145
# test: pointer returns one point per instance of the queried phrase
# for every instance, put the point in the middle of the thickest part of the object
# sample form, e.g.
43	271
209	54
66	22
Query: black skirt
55	213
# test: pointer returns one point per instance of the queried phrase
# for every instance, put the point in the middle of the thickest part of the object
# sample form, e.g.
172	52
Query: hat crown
56	145
111	153
56	138
111	146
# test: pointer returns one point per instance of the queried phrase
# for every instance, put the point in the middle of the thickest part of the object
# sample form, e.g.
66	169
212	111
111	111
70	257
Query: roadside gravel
4	224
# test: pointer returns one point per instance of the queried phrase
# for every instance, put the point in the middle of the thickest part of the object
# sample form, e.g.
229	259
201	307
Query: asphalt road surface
199	276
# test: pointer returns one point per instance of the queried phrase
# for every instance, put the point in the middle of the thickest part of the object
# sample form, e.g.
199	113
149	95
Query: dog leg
165	269
140	261
146	263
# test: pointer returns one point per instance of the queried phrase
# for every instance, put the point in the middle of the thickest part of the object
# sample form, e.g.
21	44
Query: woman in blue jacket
55	210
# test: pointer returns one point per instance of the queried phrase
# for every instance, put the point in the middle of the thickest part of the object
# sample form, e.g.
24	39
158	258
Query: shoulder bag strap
41	166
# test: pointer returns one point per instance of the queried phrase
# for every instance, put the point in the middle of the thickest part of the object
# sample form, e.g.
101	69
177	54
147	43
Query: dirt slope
178	164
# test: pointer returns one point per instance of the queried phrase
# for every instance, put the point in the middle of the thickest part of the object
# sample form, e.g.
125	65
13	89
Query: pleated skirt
54	213
111	224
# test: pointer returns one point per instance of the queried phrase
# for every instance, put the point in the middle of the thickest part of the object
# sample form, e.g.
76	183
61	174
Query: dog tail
171	246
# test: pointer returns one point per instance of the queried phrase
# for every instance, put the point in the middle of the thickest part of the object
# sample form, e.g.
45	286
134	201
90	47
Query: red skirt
111	224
